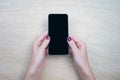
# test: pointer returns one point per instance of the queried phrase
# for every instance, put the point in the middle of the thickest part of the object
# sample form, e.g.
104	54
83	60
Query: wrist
83	69
85	72
33	68
32	71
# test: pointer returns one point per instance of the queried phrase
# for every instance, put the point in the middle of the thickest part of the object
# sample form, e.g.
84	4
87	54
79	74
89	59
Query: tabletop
96	22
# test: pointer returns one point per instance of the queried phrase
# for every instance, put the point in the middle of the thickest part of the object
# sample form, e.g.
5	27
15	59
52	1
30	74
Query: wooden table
96	22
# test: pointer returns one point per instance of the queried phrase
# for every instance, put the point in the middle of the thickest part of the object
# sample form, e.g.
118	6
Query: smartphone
58	32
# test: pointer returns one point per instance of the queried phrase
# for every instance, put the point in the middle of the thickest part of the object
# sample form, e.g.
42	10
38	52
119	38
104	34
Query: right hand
79	53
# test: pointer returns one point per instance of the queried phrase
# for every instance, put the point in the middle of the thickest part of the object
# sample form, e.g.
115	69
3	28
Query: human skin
38	57
40	50
80	58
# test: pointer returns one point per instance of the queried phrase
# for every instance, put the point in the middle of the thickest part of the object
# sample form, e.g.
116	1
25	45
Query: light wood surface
96	22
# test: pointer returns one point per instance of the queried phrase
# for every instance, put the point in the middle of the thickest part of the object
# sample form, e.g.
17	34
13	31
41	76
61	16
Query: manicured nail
69	38
47	37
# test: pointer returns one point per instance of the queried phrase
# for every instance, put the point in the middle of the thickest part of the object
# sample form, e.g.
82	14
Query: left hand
38	55
40	50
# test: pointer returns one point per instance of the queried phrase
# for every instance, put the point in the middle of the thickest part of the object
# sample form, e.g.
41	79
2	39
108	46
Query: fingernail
69	38
47	37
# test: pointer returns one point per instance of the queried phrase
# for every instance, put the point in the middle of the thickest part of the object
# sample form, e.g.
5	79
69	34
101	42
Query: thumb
45	42
71	43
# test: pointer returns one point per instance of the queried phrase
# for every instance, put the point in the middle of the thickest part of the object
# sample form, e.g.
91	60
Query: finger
81	45
46	51
78	42
70	51
71	43
40	39
45	43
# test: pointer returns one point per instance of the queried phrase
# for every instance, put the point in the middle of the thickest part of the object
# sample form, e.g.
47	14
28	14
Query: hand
38	57
80	58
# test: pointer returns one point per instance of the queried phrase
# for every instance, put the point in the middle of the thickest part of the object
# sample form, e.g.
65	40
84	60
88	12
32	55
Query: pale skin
40	50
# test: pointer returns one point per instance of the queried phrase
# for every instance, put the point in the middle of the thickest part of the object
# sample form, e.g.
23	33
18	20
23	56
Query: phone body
58	32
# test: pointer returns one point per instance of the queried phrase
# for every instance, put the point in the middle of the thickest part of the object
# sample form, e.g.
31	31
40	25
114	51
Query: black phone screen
58	32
